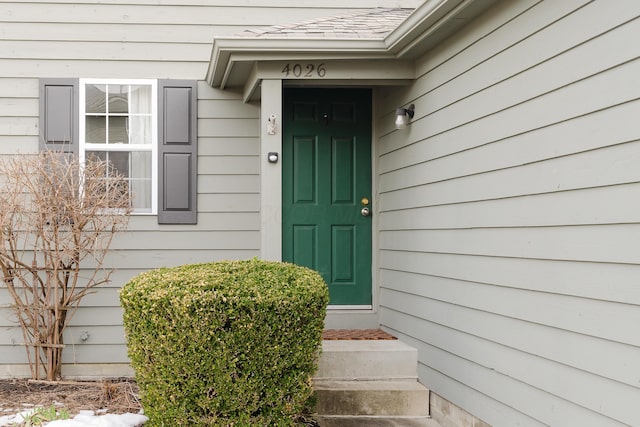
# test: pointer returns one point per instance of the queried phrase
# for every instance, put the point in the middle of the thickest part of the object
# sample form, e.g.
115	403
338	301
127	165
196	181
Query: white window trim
84	146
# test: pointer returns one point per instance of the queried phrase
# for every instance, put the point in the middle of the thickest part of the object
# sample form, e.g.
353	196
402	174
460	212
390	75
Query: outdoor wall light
403	115
272	157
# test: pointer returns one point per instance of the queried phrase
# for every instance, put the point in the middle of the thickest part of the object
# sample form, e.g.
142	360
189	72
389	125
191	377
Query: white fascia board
419	22
431	22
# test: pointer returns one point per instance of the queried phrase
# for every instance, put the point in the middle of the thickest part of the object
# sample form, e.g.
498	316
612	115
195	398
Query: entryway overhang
375	47
316	58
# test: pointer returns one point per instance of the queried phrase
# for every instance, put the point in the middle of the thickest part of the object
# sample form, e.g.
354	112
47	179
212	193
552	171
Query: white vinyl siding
510	217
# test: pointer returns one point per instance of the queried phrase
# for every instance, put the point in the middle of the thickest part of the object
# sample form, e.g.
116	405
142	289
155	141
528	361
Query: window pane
95	98
136	166
120	161
118	130
140	101
141	165
141	180
96	129
118	99
140	129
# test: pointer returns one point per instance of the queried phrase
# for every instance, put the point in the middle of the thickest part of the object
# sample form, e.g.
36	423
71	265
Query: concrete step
361	421
371	398
367	360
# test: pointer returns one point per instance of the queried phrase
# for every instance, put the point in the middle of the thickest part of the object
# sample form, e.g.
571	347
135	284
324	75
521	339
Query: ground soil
115	396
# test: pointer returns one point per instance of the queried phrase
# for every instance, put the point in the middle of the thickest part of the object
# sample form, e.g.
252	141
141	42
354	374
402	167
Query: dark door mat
356	334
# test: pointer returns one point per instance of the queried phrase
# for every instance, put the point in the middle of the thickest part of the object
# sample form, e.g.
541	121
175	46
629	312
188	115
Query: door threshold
349	307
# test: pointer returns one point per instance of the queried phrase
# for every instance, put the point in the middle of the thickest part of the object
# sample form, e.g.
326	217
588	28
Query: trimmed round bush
231	343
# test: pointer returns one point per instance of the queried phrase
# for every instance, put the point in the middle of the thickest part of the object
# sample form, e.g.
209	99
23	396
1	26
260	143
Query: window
118	125
147	129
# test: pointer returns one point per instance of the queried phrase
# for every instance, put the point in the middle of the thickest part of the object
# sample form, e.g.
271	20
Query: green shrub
230	343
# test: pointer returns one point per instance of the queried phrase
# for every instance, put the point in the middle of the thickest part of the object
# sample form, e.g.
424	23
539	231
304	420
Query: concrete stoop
370	383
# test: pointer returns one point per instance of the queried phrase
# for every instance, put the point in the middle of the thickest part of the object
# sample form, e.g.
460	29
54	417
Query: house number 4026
304	70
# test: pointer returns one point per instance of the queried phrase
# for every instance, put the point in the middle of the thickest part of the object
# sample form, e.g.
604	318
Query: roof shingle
369	24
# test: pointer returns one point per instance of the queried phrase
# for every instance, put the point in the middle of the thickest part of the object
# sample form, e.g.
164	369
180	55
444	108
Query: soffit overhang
243	62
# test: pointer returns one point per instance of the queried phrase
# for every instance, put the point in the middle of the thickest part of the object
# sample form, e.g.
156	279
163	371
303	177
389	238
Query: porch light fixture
403	115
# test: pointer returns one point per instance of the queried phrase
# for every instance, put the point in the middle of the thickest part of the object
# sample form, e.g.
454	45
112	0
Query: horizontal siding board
228	165
229	203
18	107
147	259
19	88
98	51
73	354
80	354
206	92
227	109
9	144
229	184
103	296
609	243
533	402
84	316
22	68
549	209
140	33
96	335
207	221
228	128
530	326
228	146
187	240
158	258
594	168
97	316
18	126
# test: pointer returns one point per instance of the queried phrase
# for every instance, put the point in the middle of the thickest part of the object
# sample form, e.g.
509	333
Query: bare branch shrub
57	222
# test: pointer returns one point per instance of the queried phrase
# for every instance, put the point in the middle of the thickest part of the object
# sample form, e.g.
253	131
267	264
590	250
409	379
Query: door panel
326	163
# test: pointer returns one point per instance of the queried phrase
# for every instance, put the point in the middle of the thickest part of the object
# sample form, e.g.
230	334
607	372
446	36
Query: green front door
326	167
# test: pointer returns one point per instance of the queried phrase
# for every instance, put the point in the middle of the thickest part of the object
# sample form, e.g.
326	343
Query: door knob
365	211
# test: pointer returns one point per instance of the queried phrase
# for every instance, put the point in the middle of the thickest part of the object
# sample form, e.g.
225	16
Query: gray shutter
59	106
177	151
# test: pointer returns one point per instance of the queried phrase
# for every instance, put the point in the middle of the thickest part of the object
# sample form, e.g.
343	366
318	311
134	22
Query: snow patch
83	419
